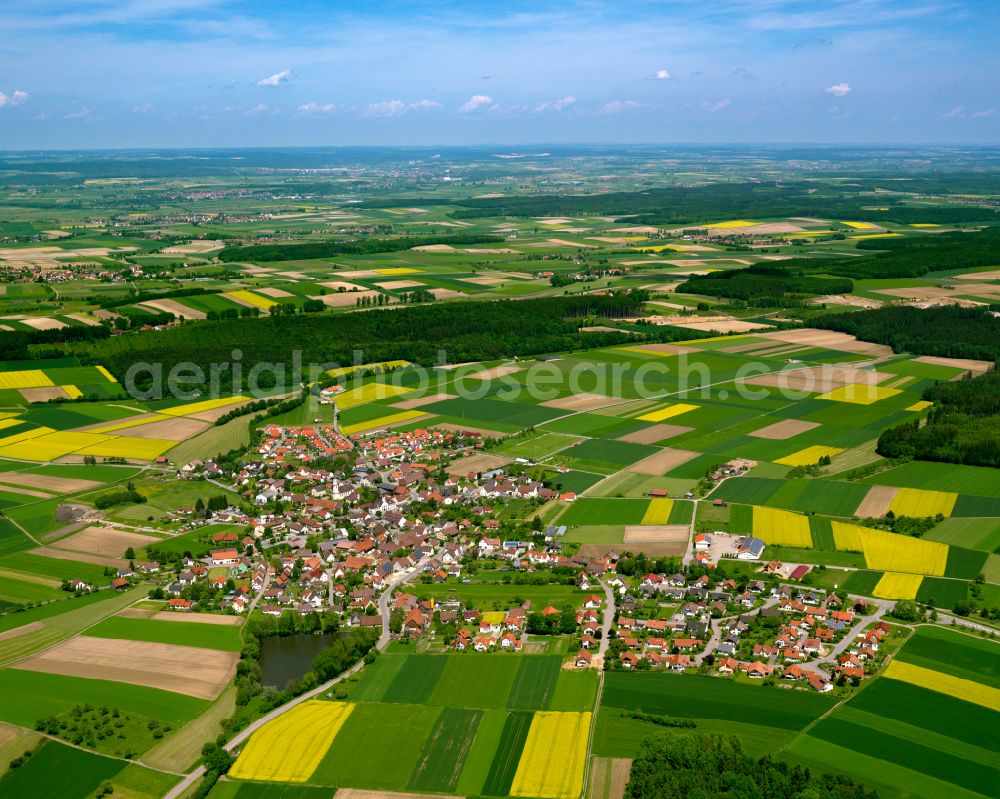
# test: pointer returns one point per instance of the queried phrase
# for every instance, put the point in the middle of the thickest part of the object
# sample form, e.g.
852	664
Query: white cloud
719	106
839	89
387	108
661	74
986	112
957	111
556	105
145	108
16	98
478	102
260	108
424	105
80	113
316	108
617	106
277	79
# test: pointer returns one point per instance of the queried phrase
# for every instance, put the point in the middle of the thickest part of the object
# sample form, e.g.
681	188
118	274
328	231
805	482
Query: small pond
283	659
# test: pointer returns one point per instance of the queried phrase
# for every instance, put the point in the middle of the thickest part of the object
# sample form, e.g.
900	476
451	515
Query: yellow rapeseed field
730	223
808	456
398	270
383	421
51	445
859	394
554	756
894	585
5	423
128	447
920	503
204	405
367	393
781	527
249	297
923	405
847	537
668	412
859	225
349	370
901	553
289	748
658	511
24	378
966	690
107	374
878	236
72	391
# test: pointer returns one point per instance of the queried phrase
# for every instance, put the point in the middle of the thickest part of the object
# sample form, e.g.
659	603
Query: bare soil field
25	491
214	413
482	280
583	401
175	429
336	285
876	501
477	463
196	247
446	294
83	557
392	285
43	393
183	669
496	371
60	485
43	323
661	462
658	432
174	307
599	329
103	541
196	618
818	378
273	293
656	533
461	428
608	777
343	299
828	340
976	367
419	402
786	428
716	325
135	613
848	299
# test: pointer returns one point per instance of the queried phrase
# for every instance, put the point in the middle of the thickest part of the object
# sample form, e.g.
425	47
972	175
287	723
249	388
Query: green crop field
575	691
416	679
59	770
954	653
507	754
355	760
444	754
604	511
31	695
710	697
474	679
209	636
535	684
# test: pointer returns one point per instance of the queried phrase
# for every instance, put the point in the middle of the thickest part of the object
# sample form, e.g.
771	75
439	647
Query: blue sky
174	73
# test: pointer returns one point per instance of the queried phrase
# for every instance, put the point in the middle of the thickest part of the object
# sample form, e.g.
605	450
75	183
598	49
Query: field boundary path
383	605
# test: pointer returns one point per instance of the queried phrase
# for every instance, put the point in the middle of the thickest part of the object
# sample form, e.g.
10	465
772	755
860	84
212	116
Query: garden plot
186	670
477	463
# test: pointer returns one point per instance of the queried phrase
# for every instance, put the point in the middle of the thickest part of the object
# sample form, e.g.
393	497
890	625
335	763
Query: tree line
261	253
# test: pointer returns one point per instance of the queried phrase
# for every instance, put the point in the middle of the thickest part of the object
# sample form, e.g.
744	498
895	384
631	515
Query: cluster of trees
561	623
765	286
463	331
331	249
962	427
948	330
714	766
274	407
119	496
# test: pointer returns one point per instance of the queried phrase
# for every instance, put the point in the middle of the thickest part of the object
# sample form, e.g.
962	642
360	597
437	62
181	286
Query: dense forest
764	285
262	253
948	331
703	767
674	206
914	256
963	426
460	331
